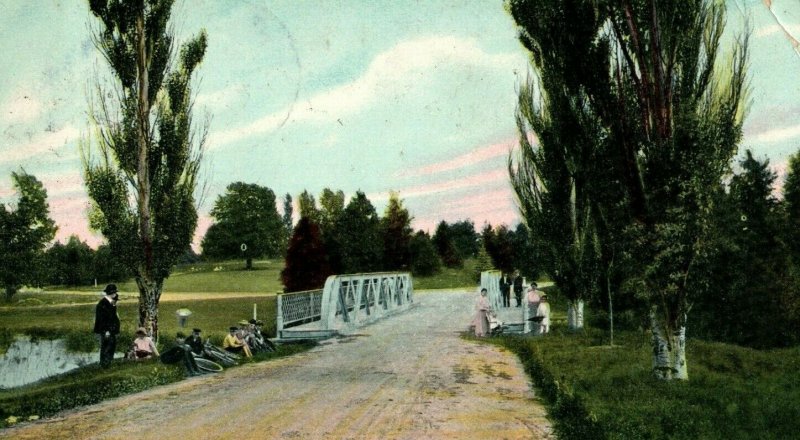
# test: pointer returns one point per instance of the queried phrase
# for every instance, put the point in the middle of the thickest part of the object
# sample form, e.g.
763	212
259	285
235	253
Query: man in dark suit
106	324
505	289
518	288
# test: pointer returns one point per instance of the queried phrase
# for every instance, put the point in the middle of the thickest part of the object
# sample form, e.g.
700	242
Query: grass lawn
596	391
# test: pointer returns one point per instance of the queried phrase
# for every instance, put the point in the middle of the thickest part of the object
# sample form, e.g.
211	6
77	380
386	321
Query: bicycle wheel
219	356
207	365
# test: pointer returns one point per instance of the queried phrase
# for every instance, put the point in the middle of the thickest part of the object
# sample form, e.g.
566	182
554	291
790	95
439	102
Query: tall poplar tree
143	179
646	72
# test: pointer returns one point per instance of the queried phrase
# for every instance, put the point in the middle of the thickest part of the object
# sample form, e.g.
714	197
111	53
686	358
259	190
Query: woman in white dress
544	311
482	311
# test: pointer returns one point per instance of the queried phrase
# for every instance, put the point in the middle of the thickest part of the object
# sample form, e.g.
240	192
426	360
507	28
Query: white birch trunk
679	367
669	351
575	315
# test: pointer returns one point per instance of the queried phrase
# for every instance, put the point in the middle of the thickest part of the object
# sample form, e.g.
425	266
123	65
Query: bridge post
279	318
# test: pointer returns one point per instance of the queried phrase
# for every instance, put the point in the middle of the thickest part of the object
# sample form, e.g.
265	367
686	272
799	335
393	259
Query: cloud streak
47	143
465	160
391	75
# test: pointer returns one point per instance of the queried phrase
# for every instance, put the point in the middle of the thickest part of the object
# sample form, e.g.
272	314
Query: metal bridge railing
347	301
298	308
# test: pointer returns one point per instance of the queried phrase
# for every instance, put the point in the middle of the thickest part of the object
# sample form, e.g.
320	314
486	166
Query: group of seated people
242	340
247	338
183	349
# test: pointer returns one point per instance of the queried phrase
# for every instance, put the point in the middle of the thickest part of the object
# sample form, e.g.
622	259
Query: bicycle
213	353
207	366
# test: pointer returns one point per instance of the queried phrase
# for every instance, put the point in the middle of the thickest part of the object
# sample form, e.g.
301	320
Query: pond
26	361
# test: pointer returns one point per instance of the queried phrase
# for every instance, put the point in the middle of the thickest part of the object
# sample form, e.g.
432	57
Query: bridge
346	303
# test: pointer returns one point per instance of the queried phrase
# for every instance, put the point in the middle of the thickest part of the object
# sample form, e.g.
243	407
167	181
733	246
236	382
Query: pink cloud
495	206
481	179
473	157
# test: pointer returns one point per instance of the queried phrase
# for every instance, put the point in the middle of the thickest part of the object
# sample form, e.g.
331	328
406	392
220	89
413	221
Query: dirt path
406	377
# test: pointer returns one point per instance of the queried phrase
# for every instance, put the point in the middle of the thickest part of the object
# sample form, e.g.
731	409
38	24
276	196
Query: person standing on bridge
518	281
482	311
505	289
106	324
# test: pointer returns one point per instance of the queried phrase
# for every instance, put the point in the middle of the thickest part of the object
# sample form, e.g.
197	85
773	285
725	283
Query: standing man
106	324
505	289
518	288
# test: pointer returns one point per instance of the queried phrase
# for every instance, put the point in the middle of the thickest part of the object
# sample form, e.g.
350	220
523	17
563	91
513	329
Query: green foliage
359	236
70	264
247	224
332	208
288	224
595	391
24	232
465	239
308	207
424	258
482	263
633	99
142	187
396	231
307	265
446	247
499	245
749	267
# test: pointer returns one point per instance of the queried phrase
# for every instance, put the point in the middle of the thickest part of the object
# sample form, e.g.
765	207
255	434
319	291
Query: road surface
409	376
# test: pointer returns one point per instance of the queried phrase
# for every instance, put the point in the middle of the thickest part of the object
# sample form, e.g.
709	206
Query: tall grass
609	392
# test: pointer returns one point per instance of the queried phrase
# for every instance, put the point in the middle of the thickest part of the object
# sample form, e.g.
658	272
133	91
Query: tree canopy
247	224
143	177
24	233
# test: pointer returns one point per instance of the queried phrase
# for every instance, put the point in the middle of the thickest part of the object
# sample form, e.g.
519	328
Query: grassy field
597	391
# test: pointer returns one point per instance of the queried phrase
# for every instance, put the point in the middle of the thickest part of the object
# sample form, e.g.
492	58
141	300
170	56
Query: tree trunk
10	292
149	296
669	351
575	315
249	264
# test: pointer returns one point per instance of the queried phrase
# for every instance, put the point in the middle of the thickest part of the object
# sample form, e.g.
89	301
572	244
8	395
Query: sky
415	97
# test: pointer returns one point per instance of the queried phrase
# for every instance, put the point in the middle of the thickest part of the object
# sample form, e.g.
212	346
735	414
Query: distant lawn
449	278
213	316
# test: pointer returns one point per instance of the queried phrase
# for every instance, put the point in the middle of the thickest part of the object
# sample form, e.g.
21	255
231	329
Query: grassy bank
92	384
595	391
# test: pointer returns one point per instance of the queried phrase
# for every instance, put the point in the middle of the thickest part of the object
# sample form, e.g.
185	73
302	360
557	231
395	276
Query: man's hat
141	331
110	289
252	321
243	322
196	330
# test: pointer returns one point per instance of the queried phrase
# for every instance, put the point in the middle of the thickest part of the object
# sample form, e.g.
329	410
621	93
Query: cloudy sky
415	97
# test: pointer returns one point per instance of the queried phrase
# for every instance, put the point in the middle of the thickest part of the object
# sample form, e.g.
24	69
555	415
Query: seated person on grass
234	343
180	352
143	346
195	341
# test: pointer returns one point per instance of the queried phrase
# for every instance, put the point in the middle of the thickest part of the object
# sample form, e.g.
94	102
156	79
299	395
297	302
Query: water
26	362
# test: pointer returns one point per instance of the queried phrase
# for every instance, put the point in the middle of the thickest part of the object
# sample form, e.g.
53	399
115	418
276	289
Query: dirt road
406	377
